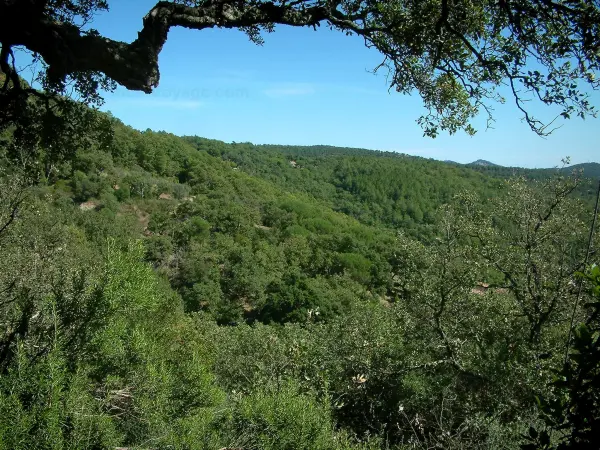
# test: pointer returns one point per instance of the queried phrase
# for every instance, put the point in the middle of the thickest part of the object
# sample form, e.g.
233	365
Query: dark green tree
572	414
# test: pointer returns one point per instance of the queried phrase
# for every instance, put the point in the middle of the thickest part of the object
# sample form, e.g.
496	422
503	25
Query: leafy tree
535	237
454	53
572	413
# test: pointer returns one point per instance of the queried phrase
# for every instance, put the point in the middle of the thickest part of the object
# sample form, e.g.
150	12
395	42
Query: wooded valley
167	292
176	292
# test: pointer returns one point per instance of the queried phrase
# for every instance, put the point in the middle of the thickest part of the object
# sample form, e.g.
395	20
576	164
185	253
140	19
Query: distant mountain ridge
482	162
590	170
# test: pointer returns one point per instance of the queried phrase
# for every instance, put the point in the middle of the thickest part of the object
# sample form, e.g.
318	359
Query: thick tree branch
67	50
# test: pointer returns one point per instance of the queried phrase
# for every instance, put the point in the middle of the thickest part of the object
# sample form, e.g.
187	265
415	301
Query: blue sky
305	87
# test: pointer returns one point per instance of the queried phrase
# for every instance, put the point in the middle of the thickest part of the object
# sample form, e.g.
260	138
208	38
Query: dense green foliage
572	411
159	291
377	188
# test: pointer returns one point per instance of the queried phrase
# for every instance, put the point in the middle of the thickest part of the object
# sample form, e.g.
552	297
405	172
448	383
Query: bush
282	417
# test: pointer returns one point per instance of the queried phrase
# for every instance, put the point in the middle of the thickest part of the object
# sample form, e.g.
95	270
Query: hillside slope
377	188
196	294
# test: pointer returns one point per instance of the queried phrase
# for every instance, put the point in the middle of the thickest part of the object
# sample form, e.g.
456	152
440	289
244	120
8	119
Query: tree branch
67	50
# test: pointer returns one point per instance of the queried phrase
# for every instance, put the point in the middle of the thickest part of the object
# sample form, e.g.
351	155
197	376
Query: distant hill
590	170
482	162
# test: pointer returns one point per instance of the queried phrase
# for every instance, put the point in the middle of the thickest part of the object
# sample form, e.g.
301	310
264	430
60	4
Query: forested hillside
379	188
589	172
167	292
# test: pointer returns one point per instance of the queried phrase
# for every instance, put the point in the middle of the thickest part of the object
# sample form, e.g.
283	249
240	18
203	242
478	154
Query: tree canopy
458	55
